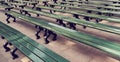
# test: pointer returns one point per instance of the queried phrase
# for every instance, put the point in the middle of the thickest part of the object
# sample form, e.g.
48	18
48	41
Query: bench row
103	45
33	50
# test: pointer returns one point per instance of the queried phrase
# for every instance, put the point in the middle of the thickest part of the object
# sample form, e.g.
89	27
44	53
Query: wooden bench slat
27	52
39	53
46	51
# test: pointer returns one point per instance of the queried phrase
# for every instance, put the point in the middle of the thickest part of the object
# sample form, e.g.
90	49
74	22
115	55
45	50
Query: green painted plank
21	48
4	6
48	52
39	53
8	35
27	52
16	41
8	29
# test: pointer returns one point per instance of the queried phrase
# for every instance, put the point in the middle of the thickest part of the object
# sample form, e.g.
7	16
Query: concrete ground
71	50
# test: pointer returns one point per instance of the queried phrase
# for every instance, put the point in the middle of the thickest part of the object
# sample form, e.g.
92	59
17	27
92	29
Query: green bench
85	15
93	5
107	1
105	4
88	9
109	13
22	5
113	19
33	50
109	47
98	26
91	15
72	3
30	2
17	4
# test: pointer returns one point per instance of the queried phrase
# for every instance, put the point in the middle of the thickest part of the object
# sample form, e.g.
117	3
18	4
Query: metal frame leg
61	22
76	16
6	48
26	13
2	37
13	53
51	12
8	17
45	34
46	38
54	36
37	34
84	27
14	19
